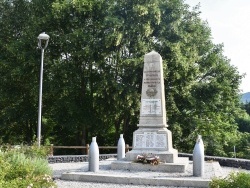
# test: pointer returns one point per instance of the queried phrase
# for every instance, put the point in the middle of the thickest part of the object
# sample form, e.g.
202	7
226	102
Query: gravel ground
74	184
59	168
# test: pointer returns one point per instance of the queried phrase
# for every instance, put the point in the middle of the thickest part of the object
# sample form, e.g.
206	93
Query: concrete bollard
121	148
198	158
93	156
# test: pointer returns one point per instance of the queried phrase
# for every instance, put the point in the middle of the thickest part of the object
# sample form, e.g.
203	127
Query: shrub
35	151
21	168
43	181
4	167
233	180
29	151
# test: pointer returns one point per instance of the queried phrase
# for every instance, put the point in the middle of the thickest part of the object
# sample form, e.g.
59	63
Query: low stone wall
230	162
77	158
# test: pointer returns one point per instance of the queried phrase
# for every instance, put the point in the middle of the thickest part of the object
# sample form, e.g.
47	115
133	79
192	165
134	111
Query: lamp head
43	38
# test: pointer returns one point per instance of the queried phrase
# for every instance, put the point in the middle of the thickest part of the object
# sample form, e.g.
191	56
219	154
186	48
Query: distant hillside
245	97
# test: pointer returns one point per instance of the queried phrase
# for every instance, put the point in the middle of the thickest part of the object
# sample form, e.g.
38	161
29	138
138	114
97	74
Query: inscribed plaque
139	140
151	107
150	140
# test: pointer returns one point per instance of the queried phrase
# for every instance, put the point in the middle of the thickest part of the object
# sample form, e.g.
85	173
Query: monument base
153	142
179	166
164	156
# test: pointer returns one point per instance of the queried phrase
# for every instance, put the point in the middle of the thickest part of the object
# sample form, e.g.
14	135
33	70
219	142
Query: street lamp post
43	40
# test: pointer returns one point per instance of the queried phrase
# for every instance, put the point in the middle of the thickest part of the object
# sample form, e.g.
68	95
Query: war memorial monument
152	138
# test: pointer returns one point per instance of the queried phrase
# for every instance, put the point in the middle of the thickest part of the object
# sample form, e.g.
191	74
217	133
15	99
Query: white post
121	148
198	158
40	101
93	156
234	152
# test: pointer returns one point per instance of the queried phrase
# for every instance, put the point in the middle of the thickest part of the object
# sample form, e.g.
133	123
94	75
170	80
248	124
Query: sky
229	21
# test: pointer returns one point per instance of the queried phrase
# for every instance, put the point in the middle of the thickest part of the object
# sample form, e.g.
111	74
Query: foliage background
93	72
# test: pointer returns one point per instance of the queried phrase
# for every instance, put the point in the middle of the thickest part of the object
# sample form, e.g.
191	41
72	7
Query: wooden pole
51	150
87	149
126	148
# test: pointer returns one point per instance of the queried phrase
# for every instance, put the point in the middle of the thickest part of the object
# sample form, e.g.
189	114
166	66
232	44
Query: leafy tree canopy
93	72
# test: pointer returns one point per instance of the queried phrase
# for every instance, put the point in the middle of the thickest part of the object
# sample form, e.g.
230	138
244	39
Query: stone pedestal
153	141
152	137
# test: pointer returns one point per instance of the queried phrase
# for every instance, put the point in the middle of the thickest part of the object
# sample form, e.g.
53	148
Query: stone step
107	175
118	179
179	166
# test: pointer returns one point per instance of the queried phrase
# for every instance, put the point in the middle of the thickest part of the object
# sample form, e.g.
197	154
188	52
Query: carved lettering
150	140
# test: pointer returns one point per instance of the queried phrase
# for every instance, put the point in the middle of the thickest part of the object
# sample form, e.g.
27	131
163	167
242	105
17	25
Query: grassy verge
24	167
233	180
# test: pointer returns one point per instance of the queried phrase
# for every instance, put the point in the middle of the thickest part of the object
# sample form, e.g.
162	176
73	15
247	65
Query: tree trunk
83	139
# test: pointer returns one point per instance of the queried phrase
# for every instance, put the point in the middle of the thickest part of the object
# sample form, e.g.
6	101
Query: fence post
87	149
51	150
126	148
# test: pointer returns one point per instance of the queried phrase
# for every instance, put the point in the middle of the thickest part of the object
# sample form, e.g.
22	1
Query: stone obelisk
153	137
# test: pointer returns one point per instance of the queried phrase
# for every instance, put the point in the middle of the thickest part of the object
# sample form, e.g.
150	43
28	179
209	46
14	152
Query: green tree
19	68
107	54
243	121
247	107
201	85
18	72
93	72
